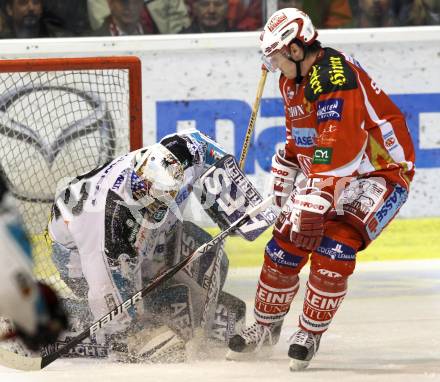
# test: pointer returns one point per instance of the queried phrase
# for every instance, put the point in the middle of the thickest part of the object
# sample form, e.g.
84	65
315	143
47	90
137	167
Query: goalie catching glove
303	216
285	176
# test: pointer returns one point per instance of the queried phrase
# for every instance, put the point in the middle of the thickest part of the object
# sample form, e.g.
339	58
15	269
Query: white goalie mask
284	26
162	174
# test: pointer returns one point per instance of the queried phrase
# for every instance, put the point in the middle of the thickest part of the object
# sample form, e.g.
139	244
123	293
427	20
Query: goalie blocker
225	195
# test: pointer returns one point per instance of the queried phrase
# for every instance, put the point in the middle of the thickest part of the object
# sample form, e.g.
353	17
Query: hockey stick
210	299
252	119
20	362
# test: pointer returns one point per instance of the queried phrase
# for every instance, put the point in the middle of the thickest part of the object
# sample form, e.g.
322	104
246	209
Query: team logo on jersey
330	109
315	81
337	75
304	137
327	136
322	155
296	111
390	140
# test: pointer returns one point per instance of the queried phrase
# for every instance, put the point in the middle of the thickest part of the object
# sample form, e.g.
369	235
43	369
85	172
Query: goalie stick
20	362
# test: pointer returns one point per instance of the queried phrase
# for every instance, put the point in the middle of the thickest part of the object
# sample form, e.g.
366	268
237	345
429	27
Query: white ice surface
387	330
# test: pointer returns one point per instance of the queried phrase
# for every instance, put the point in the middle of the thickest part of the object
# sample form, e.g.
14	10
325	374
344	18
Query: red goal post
130	63
60	117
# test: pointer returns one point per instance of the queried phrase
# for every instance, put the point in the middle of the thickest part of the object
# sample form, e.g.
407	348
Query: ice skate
304	345
256	341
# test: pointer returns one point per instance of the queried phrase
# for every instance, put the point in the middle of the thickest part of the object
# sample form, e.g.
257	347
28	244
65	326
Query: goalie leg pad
229	318
172	306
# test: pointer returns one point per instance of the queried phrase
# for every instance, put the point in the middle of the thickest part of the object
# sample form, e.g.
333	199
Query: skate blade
297	365
263	353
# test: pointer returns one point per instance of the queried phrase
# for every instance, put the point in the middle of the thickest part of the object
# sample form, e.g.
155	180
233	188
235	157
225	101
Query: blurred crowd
69	18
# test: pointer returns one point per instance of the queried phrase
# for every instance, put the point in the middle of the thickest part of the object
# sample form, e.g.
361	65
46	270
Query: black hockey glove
51	322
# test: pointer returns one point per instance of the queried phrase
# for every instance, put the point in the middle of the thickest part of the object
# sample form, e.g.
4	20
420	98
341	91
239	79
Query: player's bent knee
278	283
284	258
333	259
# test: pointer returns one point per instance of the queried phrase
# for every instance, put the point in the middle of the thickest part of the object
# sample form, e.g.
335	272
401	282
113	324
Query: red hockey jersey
339	123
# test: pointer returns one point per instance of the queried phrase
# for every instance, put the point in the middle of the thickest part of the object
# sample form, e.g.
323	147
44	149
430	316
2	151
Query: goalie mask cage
61	117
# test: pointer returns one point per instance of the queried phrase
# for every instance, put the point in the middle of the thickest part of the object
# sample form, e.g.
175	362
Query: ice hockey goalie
116	227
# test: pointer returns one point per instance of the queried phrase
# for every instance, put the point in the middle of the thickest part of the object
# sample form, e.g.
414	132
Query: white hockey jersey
95	216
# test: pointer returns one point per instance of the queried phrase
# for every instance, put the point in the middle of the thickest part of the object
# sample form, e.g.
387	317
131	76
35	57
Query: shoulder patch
330	74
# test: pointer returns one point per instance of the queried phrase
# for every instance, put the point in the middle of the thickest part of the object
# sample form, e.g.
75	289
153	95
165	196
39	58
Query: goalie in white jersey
119	225
33	307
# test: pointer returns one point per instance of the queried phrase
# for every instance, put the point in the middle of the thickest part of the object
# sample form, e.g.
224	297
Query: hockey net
60	118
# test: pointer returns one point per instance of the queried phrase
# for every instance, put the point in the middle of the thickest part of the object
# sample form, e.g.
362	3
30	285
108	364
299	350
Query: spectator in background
68	15
124	19
242	15
419	12
209	16
299	4
3	18
24	19
156	16
374	13
324	13
245	15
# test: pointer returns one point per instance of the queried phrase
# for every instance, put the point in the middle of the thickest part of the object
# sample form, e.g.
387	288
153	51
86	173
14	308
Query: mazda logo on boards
98	120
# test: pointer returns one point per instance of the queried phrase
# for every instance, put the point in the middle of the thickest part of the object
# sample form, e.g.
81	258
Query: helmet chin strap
299	77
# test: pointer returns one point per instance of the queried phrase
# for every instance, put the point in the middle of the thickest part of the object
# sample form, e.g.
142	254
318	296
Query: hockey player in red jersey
343	175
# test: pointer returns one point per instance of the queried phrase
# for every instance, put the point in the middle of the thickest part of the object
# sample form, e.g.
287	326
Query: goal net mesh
55	125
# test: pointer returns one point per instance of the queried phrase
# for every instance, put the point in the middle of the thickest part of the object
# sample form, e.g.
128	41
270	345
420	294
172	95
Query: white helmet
284	26
161	172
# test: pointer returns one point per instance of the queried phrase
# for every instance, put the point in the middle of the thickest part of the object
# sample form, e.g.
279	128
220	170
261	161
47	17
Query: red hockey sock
275	292
322	300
